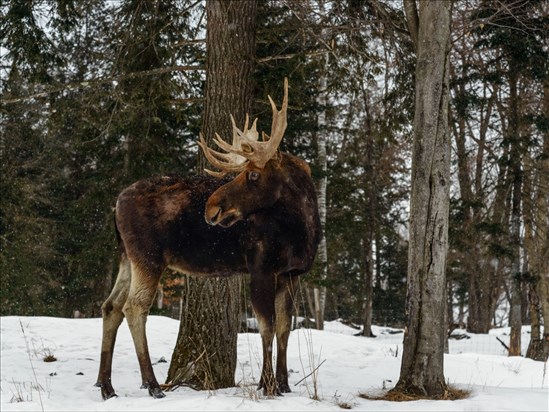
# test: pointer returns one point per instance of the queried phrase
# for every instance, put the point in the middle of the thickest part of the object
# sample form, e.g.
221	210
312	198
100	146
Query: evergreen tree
88	115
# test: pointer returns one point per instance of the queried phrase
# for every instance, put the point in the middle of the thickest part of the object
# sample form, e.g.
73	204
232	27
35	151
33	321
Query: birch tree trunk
422	369
320	292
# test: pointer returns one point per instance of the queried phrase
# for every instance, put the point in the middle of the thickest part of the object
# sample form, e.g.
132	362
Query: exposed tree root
451	394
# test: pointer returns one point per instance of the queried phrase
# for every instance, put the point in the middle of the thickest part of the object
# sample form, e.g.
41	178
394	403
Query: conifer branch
100	80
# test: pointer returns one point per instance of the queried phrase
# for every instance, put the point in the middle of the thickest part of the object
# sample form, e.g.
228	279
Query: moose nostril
212	215
217	214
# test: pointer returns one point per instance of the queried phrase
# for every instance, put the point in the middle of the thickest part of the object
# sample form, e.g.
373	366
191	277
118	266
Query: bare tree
536	239
422	371
320	291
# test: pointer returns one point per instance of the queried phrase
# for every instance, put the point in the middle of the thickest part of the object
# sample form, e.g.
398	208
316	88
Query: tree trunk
480	275
368	300
322	100
536	348
422	369
205	352
310	301
369	187
515	318
536	242
542	219
486	279
320	291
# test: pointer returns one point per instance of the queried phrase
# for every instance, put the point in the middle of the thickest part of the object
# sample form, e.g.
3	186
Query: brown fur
267	226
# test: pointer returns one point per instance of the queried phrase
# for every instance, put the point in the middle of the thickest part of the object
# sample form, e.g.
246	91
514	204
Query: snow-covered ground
352	365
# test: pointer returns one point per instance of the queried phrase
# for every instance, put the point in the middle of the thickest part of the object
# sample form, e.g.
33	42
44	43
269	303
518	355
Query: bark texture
320	291
422	371
484	280
369	187
205	352
515	319
536	242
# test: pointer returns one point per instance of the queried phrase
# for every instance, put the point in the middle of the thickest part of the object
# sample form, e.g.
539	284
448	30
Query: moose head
256	161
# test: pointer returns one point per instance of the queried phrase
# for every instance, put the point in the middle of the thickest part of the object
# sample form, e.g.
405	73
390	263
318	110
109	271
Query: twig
503	343
178	380
32	365
106	79
292	55
313	371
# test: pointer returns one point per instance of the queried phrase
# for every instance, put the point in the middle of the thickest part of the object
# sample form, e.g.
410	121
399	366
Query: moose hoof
154	390
107	396
284	388
156	393
107	391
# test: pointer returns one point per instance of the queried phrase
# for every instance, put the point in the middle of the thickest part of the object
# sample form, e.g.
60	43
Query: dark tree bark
515	319
205	352
484	284
369	188
543	228
536	242
481	275
422	371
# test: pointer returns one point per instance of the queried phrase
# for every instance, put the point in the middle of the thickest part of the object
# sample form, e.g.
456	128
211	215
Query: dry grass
450	394
49	358
345	405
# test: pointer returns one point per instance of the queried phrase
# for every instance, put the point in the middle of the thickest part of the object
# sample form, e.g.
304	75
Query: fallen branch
503	343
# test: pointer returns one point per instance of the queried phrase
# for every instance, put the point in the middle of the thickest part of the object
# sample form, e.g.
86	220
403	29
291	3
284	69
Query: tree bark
369	187
204	357
515	318
320	291
475	257
422	369
536	241
543	226
322	100
205	352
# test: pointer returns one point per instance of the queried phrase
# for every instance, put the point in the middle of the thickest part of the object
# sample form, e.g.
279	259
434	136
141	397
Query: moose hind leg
262	294
112	318
140	298
283	305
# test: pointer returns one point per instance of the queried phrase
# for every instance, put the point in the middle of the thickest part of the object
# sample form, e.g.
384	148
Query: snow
352	365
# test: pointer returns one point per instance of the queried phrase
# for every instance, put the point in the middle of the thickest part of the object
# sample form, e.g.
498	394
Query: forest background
98	94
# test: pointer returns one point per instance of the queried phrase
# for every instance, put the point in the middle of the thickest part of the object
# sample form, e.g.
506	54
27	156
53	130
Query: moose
264	221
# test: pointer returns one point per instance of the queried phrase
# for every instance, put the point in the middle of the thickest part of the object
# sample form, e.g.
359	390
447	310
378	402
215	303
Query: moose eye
253	176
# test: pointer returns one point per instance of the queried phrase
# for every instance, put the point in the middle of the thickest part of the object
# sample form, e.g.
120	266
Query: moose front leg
263	302
284	301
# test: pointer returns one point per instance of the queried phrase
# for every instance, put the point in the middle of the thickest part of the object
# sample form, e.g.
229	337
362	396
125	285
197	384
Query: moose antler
246	147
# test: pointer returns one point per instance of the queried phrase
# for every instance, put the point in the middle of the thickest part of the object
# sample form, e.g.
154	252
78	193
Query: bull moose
264	221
